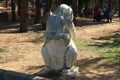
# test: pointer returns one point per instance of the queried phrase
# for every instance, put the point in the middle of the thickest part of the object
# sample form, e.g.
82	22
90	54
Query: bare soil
23	51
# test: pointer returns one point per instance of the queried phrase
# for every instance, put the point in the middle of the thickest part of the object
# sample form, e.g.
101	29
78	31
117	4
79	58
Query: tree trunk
38	13
6	3
24	16
80	6
47	8
119	5
86	2
68	2
100	3
74	6
110	4
13	10
19	4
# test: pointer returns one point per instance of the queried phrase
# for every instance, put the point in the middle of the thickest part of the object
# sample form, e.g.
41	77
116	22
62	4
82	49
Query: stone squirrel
59	50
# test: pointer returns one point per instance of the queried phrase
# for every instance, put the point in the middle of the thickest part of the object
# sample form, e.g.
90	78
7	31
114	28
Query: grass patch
109	49
81	43
2	50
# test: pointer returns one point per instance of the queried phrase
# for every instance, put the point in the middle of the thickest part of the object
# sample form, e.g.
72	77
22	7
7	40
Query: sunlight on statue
59	50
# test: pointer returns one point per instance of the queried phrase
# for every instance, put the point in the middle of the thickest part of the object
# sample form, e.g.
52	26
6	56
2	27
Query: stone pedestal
73	72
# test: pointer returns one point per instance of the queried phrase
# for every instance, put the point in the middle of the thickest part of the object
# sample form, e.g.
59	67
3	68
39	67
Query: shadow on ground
111	45
13	27
99	69
90	69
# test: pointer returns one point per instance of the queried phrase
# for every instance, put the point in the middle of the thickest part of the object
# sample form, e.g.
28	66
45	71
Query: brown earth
23	53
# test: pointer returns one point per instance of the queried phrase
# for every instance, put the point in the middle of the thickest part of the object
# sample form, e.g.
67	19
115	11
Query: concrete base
43	71
71	72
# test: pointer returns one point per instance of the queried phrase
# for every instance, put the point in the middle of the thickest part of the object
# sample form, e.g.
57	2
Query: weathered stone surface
59	51
9	75
71	72
43	71
36	78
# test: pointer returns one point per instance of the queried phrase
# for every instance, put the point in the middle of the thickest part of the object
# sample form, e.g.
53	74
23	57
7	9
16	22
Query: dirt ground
23	52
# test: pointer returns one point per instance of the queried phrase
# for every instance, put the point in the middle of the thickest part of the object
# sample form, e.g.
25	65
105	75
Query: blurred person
108	15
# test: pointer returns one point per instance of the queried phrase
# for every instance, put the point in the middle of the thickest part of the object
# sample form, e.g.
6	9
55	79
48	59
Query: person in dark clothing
97	14
108	15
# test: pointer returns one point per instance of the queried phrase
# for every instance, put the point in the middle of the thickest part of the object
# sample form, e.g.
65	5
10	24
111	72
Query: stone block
73	72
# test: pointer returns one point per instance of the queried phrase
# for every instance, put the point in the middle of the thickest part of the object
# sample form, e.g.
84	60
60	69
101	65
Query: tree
119	5
47	7
110	4
13	10
100	3
86	3
23	16
74	6
6	1
19	4
68	2
80	6
38	13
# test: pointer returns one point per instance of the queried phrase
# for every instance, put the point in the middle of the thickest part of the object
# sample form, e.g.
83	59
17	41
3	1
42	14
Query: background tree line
77	6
